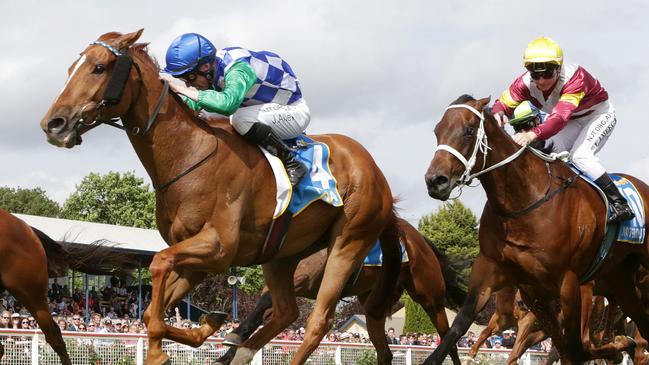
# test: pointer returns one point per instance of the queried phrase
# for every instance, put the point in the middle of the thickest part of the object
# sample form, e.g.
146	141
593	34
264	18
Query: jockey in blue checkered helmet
258	90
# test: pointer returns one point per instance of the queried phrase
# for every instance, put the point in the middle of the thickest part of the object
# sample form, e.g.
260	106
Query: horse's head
96	89
459	135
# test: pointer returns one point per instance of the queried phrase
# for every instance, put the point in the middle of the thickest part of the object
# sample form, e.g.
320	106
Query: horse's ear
484	101
126	40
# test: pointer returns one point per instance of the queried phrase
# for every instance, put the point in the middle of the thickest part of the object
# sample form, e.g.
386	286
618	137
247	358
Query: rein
115	89
113	95
482	145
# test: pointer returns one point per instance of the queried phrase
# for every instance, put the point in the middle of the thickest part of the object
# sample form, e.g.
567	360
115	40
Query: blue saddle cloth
375	257
319	183
632	230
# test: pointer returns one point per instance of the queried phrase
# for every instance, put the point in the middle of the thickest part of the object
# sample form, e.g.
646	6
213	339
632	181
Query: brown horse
427	277
540	231
215	197
511	312
28	256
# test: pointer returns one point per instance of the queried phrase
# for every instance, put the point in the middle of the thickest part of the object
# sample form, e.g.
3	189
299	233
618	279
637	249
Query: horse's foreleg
278	275
177	287
527	335
200	253
502	319
486	277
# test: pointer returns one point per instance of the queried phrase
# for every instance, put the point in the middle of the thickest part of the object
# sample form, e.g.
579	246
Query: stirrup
621	213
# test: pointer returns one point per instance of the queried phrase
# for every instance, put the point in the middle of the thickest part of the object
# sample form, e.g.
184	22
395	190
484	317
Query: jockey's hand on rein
524	138
501	118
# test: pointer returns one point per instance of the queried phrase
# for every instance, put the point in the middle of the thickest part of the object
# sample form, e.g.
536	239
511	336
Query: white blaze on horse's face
76	67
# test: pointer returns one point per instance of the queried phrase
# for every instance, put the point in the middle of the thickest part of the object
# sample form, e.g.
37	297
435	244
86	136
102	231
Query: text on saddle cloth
318	184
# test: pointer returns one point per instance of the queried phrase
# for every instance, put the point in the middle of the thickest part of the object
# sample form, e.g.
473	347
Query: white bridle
482	145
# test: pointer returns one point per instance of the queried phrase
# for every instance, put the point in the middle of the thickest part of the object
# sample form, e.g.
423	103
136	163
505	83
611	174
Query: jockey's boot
621	210
264	136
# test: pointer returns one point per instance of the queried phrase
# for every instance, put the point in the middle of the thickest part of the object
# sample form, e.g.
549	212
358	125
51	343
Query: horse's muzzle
439	186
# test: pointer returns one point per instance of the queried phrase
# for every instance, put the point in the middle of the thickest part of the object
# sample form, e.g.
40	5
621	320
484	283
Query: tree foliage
28	201
417	319
114	198
454	230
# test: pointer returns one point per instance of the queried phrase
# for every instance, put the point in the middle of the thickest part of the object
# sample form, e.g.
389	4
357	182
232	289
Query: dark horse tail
379	303
96	258
455	285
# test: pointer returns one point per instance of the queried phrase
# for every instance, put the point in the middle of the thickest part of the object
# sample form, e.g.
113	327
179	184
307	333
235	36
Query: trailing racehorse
427	277
540	230
216	195
28	255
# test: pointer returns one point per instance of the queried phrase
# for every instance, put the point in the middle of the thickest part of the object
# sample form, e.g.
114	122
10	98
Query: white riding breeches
287	121
584	137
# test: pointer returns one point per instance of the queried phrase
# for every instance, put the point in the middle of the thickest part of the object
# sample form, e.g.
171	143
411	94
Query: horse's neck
518	184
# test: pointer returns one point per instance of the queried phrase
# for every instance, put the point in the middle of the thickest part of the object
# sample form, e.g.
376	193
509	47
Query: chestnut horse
29	257
540	230
216	194
427	277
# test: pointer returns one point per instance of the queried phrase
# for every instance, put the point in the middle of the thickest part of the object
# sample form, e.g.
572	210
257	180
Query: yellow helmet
543	50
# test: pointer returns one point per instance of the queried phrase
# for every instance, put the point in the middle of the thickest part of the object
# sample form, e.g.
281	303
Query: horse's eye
99	68
468	132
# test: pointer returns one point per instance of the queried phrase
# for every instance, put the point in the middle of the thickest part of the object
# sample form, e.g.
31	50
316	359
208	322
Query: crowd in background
115	310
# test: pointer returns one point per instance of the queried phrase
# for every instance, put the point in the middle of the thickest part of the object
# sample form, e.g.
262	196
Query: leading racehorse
28	255
540	230
215	197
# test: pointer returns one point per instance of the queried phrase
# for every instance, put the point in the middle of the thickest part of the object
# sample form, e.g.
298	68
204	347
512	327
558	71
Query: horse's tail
455	285
96	258
379	301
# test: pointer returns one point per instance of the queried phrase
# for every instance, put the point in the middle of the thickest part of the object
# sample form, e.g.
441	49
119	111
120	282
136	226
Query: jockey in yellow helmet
580	117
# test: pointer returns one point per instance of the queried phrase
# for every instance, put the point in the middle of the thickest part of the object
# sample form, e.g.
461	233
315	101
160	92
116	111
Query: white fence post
339	355
139	352
528	358
35	349
409	356
258	359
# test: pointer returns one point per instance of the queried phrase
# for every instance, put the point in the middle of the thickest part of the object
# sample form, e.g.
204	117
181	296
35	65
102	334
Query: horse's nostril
55	124
441	181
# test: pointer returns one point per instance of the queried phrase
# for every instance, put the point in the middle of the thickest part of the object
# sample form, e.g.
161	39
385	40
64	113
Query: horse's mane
463	99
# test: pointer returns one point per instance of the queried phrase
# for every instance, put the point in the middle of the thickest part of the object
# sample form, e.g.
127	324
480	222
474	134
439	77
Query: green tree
417	319
28	201
453	229
114	198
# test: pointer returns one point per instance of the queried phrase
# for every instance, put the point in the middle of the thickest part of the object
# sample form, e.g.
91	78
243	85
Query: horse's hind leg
376	331
31	291
528	334
431	299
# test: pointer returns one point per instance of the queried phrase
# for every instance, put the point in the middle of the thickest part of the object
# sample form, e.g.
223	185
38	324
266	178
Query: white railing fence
23	347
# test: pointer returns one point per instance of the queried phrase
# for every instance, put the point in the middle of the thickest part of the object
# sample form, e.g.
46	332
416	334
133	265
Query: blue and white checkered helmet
187	52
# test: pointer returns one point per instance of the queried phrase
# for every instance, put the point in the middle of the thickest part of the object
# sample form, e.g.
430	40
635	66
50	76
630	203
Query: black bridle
113	95
115	90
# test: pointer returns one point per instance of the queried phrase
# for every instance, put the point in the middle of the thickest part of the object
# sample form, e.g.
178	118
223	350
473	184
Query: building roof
136	240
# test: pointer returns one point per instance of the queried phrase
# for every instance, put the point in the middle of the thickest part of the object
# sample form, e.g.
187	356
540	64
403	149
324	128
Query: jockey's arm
238	81
560	115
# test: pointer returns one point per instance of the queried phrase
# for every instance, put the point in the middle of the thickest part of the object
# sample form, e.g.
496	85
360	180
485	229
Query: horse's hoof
213	319
163	360
243	356
232	339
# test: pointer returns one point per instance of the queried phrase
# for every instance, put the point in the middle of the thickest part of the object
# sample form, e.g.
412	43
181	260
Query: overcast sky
381	72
